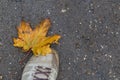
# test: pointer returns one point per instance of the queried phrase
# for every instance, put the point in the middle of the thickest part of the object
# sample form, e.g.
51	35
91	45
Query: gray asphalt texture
90	45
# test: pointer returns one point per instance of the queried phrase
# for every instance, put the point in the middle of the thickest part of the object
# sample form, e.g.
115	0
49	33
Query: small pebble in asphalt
63	10
1	77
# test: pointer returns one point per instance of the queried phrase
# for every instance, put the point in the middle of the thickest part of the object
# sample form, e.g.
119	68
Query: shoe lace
42	70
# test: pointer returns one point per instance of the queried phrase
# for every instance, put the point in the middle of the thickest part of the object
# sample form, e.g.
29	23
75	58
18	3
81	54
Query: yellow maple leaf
35	39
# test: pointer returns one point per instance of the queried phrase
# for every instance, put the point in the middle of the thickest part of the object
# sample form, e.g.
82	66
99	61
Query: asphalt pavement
90	45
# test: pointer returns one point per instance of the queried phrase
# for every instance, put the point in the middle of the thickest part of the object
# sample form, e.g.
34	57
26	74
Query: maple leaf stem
23	59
